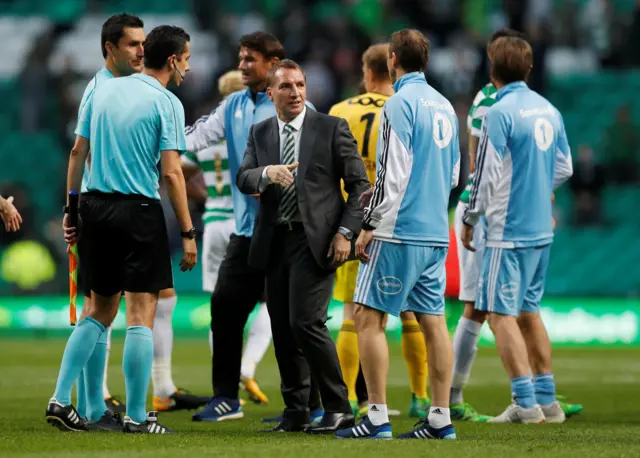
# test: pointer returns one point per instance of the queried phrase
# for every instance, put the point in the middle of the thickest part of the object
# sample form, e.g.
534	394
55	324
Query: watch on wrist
348	234
65	209
190	234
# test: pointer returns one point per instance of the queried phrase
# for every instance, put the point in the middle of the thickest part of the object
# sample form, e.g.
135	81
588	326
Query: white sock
105	389
465	347
211	341
439	417
163	386
378	414
257	342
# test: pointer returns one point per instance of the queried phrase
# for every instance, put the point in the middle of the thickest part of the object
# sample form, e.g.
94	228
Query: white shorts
470	263
214	246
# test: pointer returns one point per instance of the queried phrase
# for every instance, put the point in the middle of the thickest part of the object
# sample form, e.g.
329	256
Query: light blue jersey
523	155
102	75
129	122
418	165
231	121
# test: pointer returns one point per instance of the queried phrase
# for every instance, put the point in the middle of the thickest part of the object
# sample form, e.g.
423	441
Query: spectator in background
67	102
621	145
320	81
34	83
631	55
586	184
538	32
600	29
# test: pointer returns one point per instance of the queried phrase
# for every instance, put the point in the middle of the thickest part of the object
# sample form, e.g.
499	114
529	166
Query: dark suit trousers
299	295
238	289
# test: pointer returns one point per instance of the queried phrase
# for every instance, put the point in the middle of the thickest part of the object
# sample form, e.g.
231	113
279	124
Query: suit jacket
328	153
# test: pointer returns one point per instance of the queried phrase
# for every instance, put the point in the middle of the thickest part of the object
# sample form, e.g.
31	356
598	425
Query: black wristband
190	234
367	227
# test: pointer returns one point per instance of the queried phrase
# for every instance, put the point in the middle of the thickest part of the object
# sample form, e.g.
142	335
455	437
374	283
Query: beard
393	75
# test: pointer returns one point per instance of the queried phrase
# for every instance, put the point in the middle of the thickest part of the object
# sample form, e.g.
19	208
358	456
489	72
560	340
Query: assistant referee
130	124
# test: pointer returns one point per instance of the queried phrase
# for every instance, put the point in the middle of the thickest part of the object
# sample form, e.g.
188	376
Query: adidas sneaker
65	418
150	426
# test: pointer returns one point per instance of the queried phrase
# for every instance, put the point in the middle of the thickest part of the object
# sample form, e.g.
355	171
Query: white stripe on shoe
231	416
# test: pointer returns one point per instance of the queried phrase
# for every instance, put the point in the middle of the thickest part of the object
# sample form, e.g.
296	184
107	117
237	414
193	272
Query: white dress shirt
296	123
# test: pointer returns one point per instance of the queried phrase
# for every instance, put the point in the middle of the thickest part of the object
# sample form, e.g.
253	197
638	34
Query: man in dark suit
304	229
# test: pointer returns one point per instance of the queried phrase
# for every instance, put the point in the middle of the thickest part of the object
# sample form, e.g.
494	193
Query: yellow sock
349	356
414	351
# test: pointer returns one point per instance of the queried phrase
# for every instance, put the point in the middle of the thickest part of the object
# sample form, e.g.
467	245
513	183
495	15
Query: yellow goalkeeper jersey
362	113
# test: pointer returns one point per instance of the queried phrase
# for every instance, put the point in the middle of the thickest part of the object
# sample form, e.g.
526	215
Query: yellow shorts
345	284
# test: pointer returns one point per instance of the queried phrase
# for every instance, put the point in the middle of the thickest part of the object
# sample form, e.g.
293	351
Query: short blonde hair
230	82
375	58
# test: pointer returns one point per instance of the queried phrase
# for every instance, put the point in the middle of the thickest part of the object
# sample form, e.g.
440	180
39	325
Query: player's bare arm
473	149
77	158
467	237
177	190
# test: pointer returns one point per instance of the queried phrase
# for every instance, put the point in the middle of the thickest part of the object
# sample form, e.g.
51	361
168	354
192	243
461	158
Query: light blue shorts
402	277
512	279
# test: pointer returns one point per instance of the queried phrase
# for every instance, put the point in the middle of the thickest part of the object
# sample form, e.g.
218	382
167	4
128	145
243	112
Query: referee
130	124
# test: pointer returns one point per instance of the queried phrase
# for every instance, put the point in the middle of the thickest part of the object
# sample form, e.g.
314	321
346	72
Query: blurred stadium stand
585	60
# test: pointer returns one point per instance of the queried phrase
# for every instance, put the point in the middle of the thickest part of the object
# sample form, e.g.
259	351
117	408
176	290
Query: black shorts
126	247
83	268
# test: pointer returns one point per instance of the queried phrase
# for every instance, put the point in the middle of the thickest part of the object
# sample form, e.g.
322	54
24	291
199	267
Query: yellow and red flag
73	257
73	282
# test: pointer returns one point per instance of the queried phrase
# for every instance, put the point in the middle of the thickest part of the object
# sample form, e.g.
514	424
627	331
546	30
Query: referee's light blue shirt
101	76
129	121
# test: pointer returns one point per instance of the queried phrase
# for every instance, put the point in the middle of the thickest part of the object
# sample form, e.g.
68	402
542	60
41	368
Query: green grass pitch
607	381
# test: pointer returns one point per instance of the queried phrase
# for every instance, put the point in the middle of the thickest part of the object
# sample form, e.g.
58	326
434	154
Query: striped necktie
288	201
